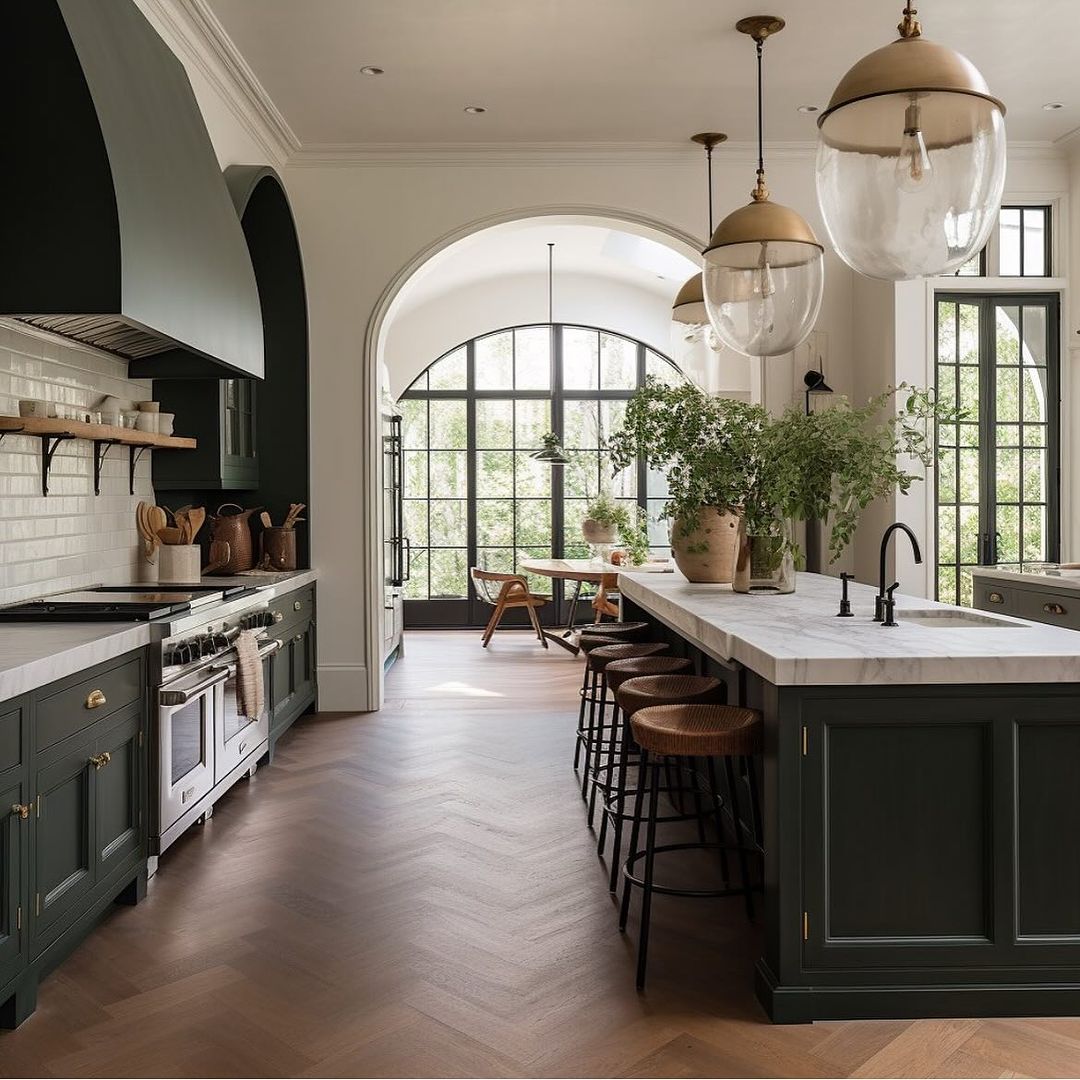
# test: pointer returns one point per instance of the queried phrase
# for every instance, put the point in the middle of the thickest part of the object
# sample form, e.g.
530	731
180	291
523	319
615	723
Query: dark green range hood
119	229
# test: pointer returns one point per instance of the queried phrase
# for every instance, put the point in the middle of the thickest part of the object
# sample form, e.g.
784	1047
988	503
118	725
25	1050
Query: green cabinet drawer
1058	609
295	607
77	703
989	596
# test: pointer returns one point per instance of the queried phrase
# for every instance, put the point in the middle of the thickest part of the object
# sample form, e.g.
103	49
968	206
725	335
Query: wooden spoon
157	520
170	536
264	517
196	517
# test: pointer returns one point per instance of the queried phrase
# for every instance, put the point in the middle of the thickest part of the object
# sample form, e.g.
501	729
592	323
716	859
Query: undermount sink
945	619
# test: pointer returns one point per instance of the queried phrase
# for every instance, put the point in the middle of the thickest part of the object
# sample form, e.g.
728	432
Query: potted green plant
607	521
704	445
827	465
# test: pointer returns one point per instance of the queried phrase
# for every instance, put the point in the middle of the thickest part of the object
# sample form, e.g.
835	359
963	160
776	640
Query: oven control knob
205	645
220	642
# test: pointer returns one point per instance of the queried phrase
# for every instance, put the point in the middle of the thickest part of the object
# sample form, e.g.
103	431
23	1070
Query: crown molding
191	28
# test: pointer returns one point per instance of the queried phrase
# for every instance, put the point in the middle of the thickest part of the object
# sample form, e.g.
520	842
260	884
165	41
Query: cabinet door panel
281	675
64	844
303	660
116	796
12	845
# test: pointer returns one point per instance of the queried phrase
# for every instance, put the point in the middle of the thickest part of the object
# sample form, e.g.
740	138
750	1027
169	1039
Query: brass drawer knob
1054	609
297	605
99	761
95	699
21	809
299	637
996	598
278	616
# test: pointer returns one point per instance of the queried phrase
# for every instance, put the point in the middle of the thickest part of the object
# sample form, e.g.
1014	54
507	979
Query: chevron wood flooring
414	893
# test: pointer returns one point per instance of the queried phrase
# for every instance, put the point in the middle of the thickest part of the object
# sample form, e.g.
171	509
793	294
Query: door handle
22	810
99	761
407	559
1054	609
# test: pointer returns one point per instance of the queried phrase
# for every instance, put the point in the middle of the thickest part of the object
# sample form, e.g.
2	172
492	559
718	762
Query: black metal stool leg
744	867
611	753
698	812
647	881
598	747
635	833
620	809
590	734
581	716
718	814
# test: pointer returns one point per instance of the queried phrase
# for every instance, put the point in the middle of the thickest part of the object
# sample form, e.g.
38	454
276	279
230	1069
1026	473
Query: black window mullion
988	429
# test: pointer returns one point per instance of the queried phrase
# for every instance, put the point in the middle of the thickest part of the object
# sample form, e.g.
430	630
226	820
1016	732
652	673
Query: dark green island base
921	843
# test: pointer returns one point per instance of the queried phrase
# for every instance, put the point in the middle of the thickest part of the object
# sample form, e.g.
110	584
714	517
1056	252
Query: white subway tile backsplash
72	538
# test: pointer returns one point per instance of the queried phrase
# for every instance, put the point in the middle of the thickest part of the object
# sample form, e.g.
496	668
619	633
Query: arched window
474	497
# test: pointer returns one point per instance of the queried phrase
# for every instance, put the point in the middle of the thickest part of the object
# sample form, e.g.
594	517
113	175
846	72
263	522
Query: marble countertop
797	640
36	654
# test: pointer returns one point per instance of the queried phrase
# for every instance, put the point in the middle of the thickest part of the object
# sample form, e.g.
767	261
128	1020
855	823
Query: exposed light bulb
764	286
914	170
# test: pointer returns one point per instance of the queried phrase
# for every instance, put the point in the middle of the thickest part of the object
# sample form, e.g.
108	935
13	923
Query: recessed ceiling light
475	110
370	69
1053	106
809	109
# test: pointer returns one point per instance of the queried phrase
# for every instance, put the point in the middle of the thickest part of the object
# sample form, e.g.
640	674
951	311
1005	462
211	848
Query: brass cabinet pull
1054	609
278	616
99	761
297	605
23	810
996	598
95	699
299	637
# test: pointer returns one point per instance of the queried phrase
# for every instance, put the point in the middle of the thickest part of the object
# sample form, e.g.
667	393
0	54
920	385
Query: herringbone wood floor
414	893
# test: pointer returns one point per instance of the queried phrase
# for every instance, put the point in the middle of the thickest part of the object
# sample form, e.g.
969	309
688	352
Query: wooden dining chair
602	603
503	592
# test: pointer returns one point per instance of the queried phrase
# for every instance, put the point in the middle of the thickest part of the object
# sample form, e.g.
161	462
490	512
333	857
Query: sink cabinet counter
920	811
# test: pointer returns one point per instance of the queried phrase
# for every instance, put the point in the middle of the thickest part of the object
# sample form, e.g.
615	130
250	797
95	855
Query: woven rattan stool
663	732
597	725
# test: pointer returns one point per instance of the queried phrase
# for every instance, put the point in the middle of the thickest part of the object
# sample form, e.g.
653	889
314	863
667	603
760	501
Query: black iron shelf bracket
134	453
49	446
101	448
10	431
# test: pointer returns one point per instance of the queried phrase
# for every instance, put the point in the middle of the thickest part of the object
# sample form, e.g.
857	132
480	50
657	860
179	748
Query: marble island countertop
34	654
797	640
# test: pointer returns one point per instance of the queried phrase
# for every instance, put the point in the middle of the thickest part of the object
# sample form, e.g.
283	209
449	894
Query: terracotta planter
707	552
595	533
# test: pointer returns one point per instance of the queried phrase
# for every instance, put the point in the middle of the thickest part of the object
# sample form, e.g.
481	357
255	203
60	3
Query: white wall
71	538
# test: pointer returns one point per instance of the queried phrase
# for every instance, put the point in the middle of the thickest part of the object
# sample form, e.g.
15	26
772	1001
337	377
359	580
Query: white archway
374	343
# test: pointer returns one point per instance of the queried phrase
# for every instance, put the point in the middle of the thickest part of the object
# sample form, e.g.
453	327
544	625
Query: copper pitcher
231	549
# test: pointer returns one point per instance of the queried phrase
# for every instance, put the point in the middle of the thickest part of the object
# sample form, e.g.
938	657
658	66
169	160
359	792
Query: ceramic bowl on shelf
149	406
165	423
128	418
33	407
147	421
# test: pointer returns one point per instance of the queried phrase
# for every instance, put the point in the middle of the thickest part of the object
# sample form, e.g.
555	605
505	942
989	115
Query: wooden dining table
581	571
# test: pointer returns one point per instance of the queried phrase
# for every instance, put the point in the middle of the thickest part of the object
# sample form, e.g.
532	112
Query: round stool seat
600	658
697	730
652	690
624	631
618	671
588	642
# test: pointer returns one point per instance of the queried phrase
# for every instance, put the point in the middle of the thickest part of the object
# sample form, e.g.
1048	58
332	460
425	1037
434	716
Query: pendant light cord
760	192
708	160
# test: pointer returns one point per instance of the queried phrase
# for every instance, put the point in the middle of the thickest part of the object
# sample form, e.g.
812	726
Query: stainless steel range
202	742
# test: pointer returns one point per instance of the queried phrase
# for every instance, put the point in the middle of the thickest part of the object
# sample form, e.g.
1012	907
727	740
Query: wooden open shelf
104	436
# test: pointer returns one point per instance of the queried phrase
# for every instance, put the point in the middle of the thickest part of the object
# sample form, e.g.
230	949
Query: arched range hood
119	229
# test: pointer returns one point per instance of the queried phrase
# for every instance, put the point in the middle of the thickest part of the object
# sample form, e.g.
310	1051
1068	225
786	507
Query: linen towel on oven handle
249	676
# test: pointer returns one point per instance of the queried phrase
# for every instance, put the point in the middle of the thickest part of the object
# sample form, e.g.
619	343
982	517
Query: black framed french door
474	496
997	482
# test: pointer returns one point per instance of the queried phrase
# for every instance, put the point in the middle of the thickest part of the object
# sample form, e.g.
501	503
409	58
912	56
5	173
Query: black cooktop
119	603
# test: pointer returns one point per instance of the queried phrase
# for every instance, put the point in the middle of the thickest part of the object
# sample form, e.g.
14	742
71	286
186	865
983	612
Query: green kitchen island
920	791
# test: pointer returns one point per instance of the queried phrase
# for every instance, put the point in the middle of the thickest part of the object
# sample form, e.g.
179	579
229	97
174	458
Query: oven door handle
169	698
266	650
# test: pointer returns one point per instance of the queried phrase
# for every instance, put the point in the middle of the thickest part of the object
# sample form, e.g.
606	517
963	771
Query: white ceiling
639	71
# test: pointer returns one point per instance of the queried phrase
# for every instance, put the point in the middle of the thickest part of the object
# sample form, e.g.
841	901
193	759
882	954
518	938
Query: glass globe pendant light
764	268
689	306
911	159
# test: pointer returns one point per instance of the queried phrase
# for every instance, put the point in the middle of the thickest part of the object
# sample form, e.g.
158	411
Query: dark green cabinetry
220	414
1040	601
292	675
72	817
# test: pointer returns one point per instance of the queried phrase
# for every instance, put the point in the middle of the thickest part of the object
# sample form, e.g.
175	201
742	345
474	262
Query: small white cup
148	422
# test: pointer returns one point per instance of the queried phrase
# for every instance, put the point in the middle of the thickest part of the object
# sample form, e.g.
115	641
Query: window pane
663	371
494	360
581	429
969	534
1034	434
618	363
947	476
449	523
413	424
416	521
581	478
1035	476
532	358
497	560
1035	336
448	572
969	476
532	422
1009	242
612	418
448	475
533	522
416	587
1008	475
969	392
533	477
495	423
946	332
495	473
1008	534
946	384
972	268
1008	336
581	359
494	522
1008	394
1034	241
573	516
450	372
448	428
968	346
1033	381
623	483
415	480
947	548
1034	533
947	584
1008	435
